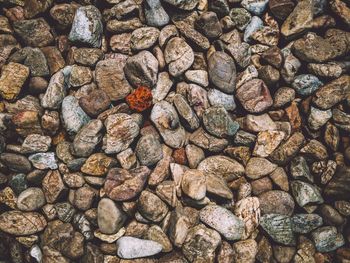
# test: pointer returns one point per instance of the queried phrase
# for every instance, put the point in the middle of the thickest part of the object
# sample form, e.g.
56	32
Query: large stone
98	164
276	202
143	38
223	221
22	223
279	228
149	150
13	77
31	199
110	218
111	79
151	206
178	55
305	193
222	71
155	13
87	26
131	247
327	239
258	167
142	69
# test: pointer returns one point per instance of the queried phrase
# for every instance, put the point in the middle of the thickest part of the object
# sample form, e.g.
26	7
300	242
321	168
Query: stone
98	164
193	184
318	118
276	202
162	88
143	38
74	118
63	14
16	162
341	9
306	84
248	209
206	141
12	79
198	76
87	138
183	4
121	132
138	73
218	98
34	32
259	123
110	218
255	25
281	9
300	170
327	239
305	193
117	26
151	206
36	143
83	198
22	223
155	233
218	123
111	79
178	55
44	161
341	119
80	76
217	186
155	13
31	199
258	167
327	70
240	17
166	120
198	99
338	187
122	185
245	251
131	247
185	111
254	96
222	166
121	43
87	26
53	186
222	71
287	150
305	223
200	244
267	142
279	228
208	23
331	93
149	150
222	220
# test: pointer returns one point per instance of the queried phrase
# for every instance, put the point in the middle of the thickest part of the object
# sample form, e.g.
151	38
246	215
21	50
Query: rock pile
174	131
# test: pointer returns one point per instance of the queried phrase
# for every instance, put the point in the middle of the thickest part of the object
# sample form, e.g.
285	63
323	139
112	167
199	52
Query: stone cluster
161	131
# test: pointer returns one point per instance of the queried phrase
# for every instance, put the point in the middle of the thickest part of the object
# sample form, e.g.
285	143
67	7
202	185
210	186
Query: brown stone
21	223
98	164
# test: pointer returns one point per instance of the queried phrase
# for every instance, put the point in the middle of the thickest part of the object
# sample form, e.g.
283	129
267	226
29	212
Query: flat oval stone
223	166
22	223
223	221
31	199
16	162
131	247
178	55
222	71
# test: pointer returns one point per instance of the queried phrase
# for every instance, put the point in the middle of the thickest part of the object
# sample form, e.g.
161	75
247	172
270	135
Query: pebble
151	206
87	26
12	79
31	199
36	143
22	223
245	251
111	79
222	71
254	96
149	150
110	218
131	247
305	223
193	184
155	13
256	7
16	162
142	69
143	38
218	98
318	118
276	202
255	24
178	55
240	17
98	164
208	23
185	111
305	193
199	77
217	122
299	169
327	239
121	132
53	186
122	185
279	228
267	142
258	167
306	84
206	141
44	161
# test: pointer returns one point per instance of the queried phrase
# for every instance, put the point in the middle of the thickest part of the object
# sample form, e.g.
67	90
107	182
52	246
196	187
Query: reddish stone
140	99
179	156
